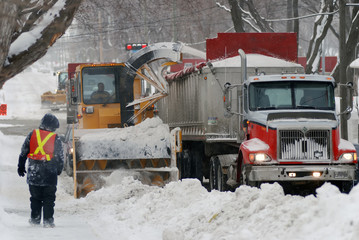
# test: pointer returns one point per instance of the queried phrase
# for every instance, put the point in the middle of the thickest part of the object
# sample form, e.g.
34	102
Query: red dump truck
252	116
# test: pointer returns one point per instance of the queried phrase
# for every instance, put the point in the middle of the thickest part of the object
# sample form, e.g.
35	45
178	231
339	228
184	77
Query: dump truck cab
292	133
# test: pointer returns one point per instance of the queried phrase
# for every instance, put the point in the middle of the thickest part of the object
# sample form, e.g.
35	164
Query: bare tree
246	14
28	29
351	44
236	14
321	26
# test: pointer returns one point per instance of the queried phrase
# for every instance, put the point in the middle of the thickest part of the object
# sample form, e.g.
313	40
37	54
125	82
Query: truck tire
244	176
212	175
191	164
196	165
185	163
218	180
344	186
243	180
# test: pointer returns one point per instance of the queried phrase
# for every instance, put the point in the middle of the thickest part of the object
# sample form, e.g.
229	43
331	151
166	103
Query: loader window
62	80
99	84
291	95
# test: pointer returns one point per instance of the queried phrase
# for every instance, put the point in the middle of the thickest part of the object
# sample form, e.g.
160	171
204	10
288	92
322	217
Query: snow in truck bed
149	139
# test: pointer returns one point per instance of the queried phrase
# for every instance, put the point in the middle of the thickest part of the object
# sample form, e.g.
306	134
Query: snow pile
150	139
127	209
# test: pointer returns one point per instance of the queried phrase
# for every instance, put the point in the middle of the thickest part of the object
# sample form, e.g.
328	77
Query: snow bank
150	139
185	210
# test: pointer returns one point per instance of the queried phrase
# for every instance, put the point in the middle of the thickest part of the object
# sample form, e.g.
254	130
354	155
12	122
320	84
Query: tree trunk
261	22
323	22
8	13
236	14
296	21
289	15
350	49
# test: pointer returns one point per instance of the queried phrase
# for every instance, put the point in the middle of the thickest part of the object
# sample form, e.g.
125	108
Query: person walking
44	150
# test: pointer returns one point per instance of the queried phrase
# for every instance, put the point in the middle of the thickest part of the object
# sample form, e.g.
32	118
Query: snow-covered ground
126	209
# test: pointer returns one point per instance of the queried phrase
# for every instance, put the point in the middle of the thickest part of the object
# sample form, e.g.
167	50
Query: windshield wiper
266	108
305	107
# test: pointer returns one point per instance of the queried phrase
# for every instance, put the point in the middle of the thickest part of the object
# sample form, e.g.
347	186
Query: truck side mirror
349	100
350	87
73	90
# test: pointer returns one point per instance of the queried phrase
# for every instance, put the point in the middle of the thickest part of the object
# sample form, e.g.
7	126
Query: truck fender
252	146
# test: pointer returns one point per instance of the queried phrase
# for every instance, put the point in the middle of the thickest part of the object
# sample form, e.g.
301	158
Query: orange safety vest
42	144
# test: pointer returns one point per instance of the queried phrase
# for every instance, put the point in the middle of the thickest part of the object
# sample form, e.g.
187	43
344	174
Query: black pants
42	197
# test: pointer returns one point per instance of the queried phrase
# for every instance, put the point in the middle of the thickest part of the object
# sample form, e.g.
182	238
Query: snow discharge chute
168	53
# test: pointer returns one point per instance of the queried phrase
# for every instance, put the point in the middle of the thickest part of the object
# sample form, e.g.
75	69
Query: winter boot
49	223
35	221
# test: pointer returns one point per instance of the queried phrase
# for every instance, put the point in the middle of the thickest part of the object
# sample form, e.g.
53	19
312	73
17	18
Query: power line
306	16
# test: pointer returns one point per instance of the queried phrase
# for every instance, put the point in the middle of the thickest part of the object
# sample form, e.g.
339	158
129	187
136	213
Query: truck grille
304	145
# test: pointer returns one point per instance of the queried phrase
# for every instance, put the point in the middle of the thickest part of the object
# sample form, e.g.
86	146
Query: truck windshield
291	95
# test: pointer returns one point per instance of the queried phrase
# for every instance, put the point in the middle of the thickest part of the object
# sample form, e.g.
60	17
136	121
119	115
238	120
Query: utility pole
144	14
174	32
100	36
342	70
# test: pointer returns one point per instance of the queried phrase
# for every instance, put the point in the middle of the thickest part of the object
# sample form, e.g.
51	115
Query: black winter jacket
42	173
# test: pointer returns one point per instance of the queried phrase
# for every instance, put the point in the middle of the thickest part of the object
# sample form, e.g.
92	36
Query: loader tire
68	166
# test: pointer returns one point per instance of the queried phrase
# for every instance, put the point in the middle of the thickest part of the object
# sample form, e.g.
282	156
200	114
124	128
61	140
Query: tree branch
50	34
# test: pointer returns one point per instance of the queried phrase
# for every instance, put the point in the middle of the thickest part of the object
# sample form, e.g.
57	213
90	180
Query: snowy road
22	127
16	204
24	114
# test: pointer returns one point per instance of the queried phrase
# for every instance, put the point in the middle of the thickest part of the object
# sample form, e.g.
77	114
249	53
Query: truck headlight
259	157
88	109
348	157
